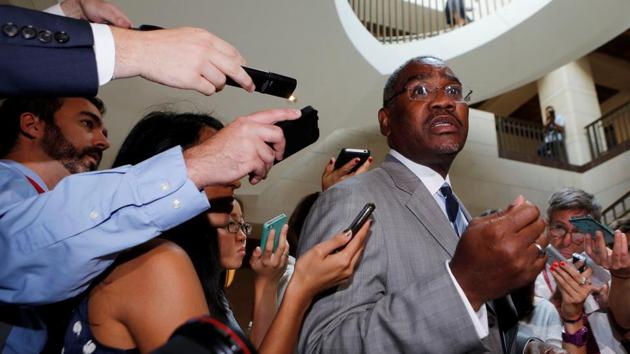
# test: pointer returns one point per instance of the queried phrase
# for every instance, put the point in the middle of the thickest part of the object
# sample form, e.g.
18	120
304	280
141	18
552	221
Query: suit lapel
422	204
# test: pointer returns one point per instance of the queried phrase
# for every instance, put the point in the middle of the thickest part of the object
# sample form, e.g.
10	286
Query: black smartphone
361	218
347	154
299	133
588	225
269	83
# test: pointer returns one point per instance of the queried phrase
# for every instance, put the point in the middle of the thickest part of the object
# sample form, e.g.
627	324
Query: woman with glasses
155	287
583	306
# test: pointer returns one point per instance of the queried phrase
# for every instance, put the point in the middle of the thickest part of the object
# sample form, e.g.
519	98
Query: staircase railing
617	209
610	132
525	141
396	21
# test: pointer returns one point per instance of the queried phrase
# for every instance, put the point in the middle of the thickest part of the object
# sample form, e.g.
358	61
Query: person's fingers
283	247
524	215
359	239
347	167
339	240
330	166
588	248
566	284
533	232
272	116
269	245
365	166
214	76
112	14
203	86
230	67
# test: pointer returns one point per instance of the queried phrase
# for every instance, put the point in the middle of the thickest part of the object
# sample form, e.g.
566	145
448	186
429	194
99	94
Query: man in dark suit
43	54
429	274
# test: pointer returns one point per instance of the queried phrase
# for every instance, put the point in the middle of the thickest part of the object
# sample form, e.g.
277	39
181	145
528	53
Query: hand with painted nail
574	288
323	266
331	176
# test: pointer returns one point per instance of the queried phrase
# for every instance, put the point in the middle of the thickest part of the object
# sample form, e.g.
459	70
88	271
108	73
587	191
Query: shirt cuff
104	51
479	318
55	10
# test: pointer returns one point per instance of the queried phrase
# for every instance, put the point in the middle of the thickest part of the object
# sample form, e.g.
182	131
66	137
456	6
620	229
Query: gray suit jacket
401	298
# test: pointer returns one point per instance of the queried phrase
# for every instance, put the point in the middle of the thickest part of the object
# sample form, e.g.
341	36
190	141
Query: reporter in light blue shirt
54	242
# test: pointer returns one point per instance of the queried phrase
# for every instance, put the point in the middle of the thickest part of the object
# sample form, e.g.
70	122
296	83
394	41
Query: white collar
27	172
431	179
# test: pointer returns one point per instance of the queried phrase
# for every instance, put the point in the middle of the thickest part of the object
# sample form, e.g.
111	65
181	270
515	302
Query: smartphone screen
347	154
299	133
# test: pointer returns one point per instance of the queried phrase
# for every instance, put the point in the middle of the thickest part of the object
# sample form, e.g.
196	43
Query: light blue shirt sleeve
53	244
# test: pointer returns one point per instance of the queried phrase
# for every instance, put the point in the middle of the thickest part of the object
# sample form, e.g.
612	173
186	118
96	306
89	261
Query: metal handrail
399	21
527	139
617	209
611	130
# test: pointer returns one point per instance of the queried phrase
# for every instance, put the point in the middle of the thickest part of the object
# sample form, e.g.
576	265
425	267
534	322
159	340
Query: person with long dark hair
155	287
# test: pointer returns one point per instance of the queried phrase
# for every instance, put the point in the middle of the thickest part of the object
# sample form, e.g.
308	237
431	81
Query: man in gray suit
428	274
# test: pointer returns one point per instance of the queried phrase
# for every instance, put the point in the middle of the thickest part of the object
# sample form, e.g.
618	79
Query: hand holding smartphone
299	133
359	220
276	224
588	225
347	154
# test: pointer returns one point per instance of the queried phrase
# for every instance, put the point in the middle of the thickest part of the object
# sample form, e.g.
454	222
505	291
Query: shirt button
177	204
93	214
164	186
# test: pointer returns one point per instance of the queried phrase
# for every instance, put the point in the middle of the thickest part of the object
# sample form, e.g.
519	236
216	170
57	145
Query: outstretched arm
316	270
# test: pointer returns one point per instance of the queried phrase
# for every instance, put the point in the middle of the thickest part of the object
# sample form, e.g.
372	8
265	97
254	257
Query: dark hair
296	221
158	132
43	107
390	84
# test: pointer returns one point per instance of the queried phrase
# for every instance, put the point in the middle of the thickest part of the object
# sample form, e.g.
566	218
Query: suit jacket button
45	36
28	32
61	37
10	29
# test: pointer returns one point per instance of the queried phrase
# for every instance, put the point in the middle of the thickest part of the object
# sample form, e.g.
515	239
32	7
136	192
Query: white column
570	89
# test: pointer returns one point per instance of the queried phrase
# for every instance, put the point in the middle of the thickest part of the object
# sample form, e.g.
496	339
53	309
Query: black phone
347	154
269	83
299	133
361	218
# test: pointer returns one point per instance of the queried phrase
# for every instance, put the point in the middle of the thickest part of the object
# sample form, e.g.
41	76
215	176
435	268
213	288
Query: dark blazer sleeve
44	54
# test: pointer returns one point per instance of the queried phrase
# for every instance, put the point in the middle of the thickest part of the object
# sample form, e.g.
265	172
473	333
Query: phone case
554	255
345	155
589	225
274	224
299	133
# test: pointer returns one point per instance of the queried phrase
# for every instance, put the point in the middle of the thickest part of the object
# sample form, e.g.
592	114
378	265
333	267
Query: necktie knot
452	205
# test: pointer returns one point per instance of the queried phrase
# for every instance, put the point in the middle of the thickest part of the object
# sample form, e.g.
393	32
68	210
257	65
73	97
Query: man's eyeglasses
420	91
557	232
234	226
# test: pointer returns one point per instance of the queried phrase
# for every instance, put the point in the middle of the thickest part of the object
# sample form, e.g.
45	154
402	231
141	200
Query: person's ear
31	126
383	121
